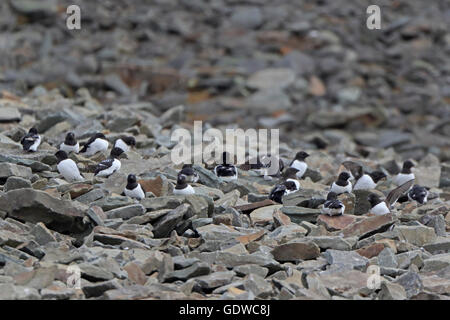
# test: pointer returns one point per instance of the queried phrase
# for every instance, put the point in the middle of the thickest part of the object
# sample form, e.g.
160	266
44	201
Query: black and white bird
417	193
342	184
133	189
97	143
67	167
333	206
292	185
290	177
284	188
226	171
108	166
405	175
299	163
368	181
125	143
277	193
182	187
380	207
70	144
31	141
189	172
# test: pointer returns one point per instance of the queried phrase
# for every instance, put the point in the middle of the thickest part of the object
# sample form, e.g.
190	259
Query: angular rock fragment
38	206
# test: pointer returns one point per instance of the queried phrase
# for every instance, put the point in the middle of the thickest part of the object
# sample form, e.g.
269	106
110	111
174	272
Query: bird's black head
419	194
116	152
290	185
377	176
70	137
181	179
277	193
99	135
373	199
131	141
186	166
408	164
33	131
131	179
61	155
331	196
301	155
343	176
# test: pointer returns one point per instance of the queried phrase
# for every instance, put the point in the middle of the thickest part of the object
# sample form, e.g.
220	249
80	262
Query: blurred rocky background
307	68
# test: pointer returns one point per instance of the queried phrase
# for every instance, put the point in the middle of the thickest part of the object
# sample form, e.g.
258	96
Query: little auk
31	140
133	189
70	144
333	206
342	184
182	188
97	143
277	193
368	181
299	163
189	172
67	167
419	194
108	166
379	207
284	188
226	171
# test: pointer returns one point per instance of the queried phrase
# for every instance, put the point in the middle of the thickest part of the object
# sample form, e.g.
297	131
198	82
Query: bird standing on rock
226	170
284	188
368	181
189	172
277	193
182	187
97	143
70	144
31	140
333	206
342	184
108	166
299	163
133	189
67	167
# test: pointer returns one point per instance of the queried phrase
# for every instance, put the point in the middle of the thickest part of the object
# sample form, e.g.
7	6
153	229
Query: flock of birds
288	176
351	171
